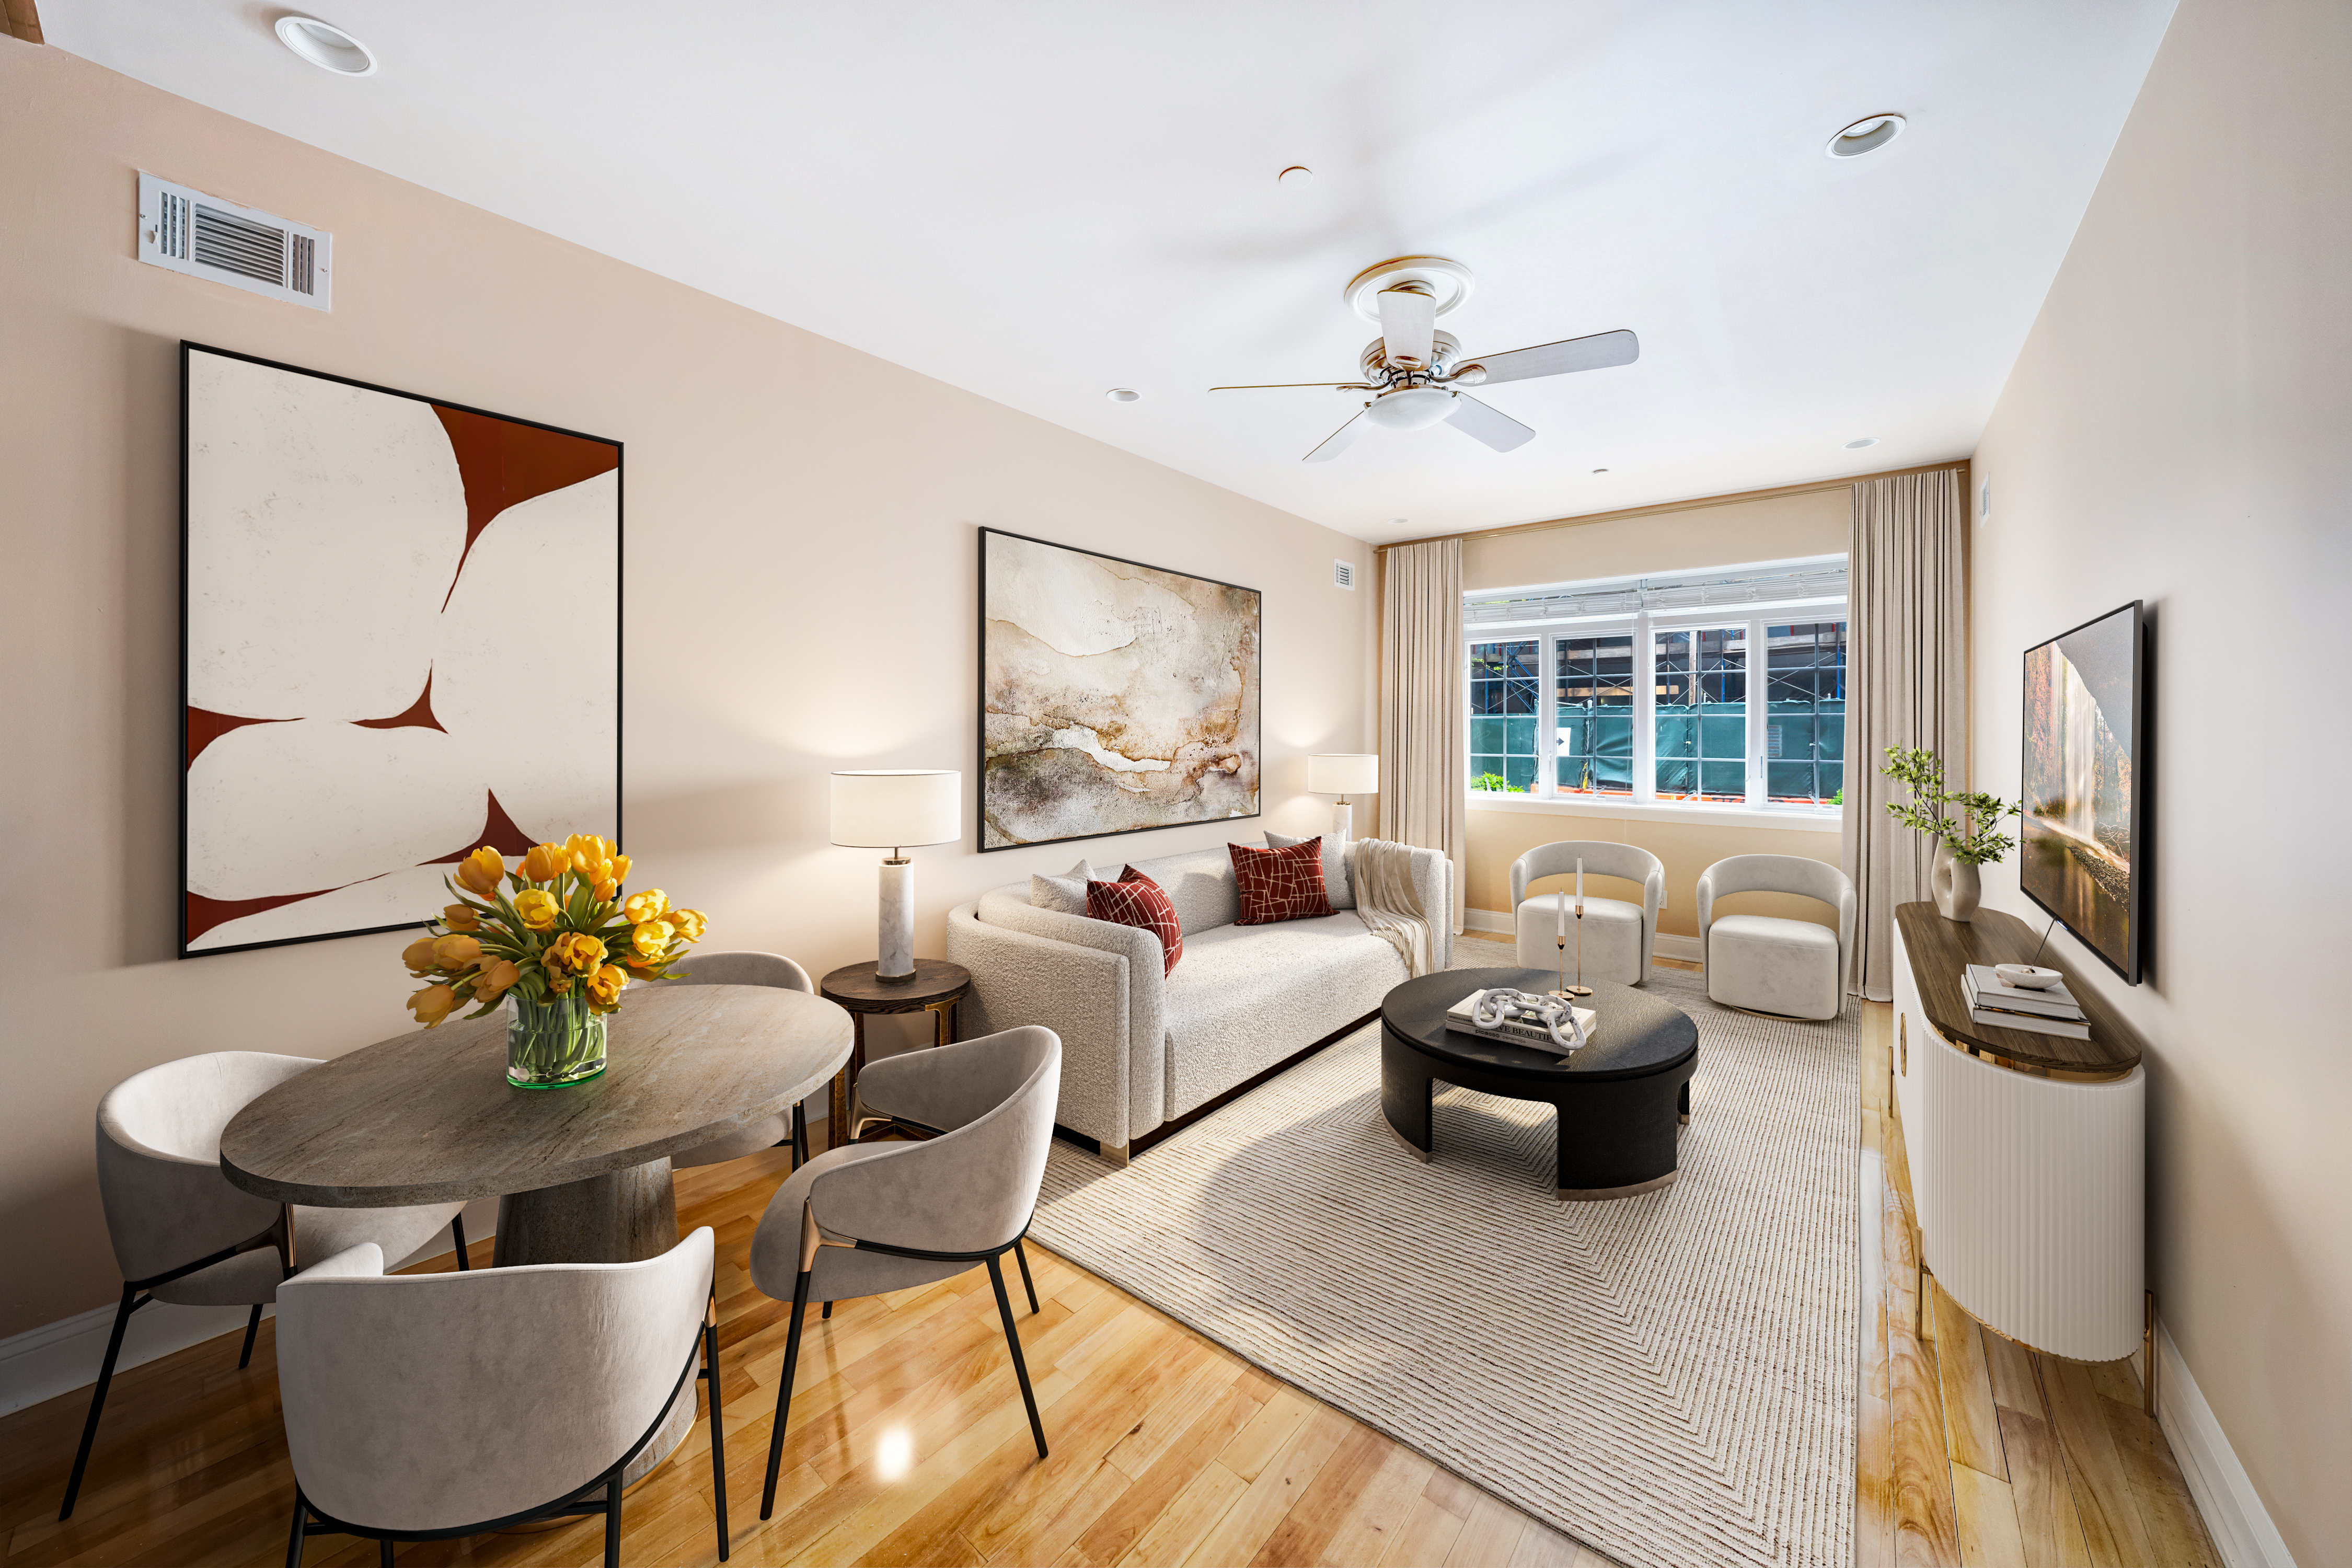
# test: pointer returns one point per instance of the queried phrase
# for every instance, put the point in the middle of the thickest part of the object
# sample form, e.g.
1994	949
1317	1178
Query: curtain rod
1700	504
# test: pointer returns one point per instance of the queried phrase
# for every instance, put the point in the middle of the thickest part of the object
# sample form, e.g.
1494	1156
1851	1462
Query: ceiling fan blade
1299	385
1598	352
1408	328
1492	426
1339	440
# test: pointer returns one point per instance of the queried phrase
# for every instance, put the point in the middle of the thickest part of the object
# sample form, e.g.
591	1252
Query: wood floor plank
1259	1511
1488	1536
1188	1519
1990	1535
1370	1527
1426	1538
1973	1432
2010	1366
2176	1535
1120	1527
1325	1503
1277	1422
1874	1414
1452	1493
1540	1546
1926	1535
2048	1530
2112	1527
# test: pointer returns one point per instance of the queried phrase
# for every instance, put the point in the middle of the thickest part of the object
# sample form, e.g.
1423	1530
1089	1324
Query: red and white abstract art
402	641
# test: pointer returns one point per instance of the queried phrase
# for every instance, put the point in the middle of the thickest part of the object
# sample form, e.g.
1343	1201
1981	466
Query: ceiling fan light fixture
1858	445
1410	408
1867	134
1122	394
325	45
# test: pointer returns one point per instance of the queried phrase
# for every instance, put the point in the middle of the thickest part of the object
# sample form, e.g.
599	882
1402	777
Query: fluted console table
2027	1150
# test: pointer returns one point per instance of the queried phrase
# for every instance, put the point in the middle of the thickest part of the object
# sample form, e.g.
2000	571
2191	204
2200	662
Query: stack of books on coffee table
2050	1011
1520	1027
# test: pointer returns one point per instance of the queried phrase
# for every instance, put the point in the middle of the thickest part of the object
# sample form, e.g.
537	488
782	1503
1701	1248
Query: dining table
582	1173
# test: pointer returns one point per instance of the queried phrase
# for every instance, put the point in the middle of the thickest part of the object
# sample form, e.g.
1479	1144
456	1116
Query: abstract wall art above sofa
1114	697
402	641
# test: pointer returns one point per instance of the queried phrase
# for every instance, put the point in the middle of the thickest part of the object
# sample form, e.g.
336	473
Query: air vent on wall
188	231
1343	574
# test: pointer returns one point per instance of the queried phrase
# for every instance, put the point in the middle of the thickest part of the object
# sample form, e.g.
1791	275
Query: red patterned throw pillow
1280	884
1135	900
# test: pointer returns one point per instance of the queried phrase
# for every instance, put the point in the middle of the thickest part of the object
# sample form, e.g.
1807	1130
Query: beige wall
801	583
1704	533
2175	431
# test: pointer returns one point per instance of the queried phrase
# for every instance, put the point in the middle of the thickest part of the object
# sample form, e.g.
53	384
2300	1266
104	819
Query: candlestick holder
1579	988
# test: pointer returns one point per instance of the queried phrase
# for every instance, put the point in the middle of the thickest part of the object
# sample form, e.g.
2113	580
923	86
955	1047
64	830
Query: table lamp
892	808
1343	773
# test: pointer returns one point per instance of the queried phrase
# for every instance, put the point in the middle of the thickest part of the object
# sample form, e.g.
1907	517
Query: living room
820	471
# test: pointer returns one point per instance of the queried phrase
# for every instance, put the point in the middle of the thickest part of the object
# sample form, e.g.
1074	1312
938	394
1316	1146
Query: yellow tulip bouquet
556	937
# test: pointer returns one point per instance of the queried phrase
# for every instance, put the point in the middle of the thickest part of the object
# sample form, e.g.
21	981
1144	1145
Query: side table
937	987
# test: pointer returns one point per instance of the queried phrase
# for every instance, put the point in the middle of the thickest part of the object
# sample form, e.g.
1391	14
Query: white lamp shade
1343	773
889	808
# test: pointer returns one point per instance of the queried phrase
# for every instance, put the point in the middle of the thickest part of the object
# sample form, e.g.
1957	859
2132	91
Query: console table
2027	1150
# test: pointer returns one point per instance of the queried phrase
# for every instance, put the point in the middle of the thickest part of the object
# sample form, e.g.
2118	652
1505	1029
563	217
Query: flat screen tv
2083	859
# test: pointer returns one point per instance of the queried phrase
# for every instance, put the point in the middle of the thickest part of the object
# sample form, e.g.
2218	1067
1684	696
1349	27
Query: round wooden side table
937	987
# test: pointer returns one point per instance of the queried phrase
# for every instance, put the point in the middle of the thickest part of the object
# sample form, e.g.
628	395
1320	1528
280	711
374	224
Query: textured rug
1669	1378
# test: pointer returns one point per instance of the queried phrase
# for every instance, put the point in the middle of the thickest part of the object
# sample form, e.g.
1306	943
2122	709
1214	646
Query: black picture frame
180	743
2127	965
980	795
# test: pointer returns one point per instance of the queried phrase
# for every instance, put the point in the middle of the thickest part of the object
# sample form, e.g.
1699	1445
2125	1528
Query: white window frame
1545	796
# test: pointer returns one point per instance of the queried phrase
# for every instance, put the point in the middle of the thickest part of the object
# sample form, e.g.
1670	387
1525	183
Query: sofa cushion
1336	885
1249	996
1135	900
1065	894
1200	883
1279	885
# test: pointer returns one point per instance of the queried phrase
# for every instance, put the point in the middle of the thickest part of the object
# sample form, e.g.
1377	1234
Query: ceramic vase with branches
1965	839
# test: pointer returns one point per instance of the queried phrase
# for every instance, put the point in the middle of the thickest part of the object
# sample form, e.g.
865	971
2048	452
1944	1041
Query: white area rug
1670	1378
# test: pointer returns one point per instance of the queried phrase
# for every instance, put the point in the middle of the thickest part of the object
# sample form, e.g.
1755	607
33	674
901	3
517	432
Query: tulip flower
605	988
496	979
689	924
537	908
620	867
433	1004
645	906
545	862
456	953
574	952
460	917
650	939
481	872
418	956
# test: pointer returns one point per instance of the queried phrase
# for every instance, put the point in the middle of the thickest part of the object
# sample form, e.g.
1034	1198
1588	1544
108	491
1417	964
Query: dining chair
1617	937
429	1406
747	968
185	1236
1764	964
868	1219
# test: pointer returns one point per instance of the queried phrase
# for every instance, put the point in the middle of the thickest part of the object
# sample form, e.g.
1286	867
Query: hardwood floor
908	1444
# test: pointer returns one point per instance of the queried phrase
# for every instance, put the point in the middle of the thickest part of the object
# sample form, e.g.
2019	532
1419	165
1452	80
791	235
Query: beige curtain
1907	664
1425	782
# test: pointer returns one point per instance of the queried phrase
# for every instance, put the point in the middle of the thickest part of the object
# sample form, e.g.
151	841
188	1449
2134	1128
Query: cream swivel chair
747	969
871	1217
1618	936
1762	964
183	1235
427	1406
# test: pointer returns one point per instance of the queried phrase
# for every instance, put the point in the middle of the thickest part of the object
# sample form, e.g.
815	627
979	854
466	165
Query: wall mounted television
2085	859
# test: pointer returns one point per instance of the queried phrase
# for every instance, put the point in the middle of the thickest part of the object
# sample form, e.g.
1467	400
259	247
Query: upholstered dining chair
1617	937
1763	963
183	1235
872	1217
428	1406
747	968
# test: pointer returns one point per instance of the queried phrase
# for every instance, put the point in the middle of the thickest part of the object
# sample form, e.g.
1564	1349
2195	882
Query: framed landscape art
2083	857
401	640
1114	697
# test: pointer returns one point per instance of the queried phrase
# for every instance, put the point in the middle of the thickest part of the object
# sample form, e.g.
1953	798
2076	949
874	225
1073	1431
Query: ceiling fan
1415	373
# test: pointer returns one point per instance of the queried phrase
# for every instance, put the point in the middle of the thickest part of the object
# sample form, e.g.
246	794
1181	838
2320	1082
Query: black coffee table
1620	1099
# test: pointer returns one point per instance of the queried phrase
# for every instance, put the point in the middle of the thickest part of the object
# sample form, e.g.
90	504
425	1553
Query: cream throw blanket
1383	874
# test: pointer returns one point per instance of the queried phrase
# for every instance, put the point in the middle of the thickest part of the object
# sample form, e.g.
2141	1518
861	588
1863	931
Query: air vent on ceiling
188	231
1343	574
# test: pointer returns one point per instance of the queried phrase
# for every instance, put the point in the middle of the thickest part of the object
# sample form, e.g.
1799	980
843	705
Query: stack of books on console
2050	1011
1521	1029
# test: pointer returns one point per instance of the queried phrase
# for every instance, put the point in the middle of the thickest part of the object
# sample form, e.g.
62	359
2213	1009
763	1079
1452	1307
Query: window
1648	698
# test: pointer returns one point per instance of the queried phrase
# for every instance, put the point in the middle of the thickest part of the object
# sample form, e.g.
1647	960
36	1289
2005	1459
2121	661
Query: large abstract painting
403	641
2082	820
1114	697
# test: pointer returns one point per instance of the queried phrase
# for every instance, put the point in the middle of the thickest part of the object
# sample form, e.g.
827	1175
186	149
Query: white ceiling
1040	199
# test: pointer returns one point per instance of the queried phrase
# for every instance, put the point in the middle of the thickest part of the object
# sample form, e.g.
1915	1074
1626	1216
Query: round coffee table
1620	1099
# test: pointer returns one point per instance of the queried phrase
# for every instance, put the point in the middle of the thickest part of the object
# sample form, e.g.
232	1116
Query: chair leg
800	1134
826	1312
383	1553
98	1400
718	1439
1020	1367
457	1234
294	1545
612	1521
785	1393
252	1327
1022	1254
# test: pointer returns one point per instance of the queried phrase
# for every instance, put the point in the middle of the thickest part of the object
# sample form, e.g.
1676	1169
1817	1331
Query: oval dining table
582	1174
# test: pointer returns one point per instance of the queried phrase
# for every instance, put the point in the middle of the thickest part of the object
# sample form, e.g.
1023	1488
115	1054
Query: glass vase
553	1043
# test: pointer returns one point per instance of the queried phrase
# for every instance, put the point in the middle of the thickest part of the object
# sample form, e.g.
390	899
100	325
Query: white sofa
1139	1051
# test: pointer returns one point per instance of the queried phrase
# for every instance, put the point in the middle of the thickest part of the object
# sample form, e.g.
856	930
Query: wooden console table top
1941	949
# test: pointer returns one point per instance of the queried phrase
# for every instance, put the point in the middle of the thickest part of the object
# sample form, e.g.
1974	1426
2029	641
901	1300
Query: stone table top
429	1117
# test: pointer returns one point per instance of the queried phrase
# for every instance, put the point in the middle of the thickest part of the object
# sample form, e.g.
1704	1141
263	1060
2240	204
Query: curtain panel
1906	657
1424	778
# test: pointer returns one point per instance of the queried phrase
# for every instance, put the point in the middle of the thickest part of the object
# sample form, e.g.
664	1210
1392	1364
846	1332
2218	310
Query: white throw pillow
1066	893
1335	886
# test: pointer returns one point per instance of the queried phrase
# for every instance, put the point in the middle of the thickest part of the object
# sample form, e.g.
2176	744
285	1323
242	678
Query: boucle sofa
1139	1051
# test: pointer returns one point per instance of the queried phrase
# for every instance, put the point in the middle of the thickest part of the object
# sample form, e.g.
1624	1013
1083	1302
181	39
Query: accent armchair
1619	937
1763	963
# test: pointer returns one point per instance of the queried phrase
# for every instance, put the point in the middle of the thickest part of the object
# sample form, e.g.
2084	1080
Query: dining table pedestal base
620	1216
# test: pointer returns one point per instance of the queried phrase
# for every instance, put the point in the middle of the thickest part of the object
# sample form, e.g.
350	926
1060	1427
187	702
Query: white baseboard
1498	922
57	1358
2225	1495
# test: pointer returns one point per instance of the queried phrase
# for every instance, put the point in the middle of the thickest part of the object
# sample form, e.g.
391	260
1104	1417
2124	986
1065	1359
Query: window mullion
1759	733
1547	712
1645	707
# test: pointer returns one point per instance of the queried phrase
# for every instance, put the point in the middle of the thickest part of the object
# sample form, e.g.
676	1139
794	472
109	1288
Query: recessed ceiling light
327	47
1122	394
1299	176
1599	471
1858	445
1866	136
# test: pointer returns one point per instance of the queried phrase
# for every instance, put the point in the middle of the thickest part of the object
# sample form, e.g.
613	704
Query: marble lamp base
895	946
1343	822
